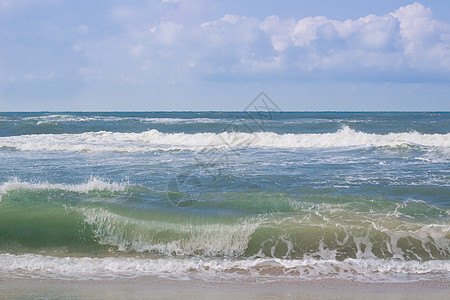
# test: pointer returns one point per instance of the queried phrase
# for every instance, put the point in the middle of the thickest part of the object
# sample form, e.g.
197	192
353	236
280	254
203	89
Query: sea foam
86	268
229	240
155	140
54	119
93	184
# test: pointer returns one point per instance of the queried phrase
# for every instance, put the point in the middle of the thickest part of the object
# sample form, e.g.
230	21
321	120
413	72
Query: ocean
225	195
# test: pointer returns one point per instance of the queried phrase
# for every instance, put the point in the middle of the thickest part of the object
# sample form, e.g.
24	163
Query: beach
152	288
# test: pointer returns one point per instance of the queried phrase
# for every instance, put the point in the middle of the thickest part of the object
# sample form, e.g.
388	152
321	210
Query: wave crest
229	240
93	184
155	140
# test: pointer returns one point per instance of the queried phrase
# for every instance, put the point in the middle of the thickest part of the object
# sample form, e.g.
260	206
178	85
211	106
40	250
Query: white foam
155	140
30	265
169	237
182	121
209	240
48	119
93	184
59	118
320	121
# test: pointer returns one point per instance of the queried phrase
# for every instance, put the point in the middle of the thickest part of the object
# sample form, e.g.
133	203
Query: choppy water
360	196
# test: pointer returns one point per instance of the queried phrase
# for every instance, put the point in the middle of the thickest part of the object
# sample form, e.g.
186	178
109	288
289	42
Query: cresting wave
93	184
320	233
157	235
69	218
87	268
155	140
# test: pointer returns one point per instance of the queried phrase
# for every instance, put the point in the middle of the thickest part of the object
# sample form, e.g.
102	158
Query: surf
154	140
100	217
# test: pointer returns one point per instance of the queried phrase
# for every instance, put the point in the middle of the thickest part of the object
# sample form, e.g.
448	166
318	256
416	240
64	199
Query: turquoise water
361	196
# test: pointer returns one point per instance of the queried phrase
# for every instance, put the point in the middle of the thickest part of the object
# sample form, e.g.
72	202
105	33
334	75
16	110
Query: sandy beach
153	287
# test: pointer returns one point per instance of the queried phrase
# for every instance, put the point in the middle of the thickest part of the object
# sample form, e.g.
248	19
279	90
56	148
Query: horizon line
228	111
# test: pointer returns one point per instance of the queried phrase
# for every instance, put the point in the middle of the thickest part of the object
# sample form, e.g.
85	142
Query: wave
282	237
321	121
68	118
88	268
182	121
208	239
50	217
52	119
93	184
155	140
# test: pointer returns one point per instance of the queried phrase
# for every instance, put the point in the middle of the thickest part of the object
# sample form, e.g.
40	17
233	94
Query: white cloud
232	19
169	32
407	39
406	43
424	40
279	31
307	30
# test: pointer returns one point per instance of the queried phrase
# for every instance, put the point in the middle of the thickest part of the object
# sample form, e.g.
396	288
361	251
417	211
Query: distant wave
155	140
52	119
67	118
62	118
181	121
94	184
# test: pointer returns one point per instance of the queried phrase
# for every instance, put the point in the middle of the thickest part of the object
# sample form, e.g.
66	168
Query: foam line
155	140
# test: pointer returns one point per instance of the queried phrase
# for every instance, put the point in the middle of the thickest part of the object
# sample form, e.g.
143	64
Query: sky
178	55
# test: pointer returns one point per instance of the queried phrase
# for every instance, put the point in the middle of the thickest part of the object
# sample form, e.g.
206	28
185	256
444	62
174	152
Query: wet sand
152	287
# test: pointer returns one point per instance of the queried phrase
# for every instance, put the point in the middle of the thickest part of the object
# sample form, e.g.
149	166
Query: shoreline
155	287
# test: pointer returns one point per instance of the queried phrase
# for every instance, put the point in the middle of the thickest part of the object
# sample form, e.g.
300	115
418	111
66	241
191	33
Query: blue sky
218	55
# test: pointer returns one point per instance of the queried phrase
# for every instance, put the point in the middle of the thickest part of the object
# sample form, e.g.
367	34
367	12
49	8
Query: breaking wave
52	119
93	184
100	215
348	238
155	140
87	268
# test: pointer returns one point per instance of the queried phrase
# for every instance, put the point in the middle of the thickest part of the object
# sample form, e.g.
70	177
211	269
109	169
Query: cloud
425	42
406	40
278	31
406	44
168	33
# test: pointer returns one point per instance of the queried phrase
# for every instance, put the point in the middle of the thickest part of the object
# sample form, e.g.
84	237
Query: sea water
223	195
